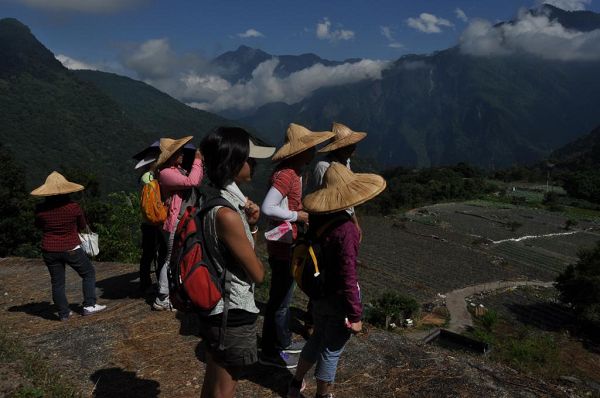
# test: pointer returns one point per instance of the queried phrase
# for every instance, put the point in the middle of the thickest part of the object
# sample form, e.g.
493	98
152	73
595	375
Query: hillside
583	153
152	110
52	118
450	107
130	351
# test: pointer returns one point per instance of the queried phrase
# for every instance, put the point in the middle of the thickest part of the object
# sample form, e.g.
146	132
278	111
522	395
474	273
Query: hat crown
295	132
337	174
341	131
56	179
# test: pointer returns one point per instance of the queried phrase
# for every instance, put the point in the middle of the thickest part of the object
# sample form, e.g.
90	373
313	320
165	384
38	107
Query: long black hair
225	150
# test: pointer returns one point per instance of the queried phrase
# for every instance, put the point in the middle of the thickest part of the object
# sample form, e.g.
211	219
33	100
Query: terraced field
444	247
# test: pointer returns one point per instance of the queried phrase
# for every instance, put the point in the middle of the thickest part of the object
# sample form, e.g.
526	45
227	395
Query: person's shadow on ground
272	378
119	286
116	382
43	309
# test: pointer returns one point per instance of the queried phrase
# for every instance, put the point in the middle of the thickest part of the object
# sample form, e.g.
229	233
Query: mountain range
426	110
449	106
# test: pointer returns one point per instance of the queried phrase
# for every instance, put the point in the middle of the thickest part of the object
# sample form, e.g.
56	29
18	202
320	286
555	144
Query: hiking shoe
162	305
65	317
92	309
294	348
294	391
281	360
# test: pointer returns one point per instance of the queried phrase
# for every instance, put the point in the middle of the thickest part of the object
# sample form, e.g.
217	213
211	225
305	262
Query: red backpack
195	282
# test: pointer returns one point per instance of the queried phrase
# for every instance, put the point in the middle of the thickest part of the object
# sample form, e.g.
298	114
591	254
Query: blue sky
161	41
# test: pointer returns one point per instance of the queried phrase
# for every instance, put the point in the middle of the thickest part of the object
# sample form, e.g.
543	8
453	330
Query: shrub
579	286
489	319
392	307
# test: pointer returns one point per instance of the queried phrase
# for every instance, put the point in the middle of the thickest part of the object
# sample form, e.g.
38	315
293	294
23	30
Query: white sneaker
162	305
92	309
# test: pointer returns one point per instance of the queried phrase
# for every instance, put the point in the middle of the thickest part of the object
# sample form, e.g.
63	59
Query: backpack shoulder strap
227	276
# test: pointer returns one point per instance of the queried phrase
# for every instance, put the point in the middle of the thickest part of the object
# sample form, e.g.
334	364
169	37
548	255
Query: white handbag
89	242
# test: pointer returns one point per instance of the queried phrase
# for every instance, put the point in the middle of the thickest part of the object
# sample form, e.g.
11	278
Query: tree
17	232
579	286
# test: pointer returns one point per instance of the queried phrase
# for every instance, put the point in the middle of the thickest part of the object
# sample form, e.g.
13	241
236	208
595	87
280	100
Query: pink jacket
172	182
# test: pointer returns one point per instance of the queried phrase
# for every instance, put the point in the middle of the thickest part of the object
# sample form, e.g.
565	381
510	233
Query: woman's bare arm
230	230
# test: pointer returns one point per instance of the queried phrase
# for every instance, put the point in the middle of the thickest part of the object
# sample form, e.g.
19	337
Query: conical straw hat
298	139
168	146
344	136
56	184
342	189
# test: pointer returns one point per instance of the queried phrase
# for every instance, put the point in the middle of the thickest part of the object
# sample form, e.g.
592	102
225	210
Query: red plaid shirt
60	223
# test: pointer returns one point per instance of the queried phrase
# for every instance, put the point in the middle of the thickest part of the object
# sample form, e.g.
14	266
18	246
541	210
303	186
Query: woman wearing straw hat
60	220
340	149
283	206
338	314
175	182
230	238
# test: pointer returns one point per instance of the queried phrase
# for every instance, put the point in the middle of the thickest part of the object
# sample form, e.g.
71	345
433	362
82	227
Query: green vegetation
17	233
525	349
579	287
33	377
391	307
412	188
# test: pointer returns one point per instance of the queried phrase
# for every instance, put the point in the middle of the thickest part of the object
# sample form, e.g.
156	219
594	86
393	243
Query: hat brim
260	152
308	141
146	161
178	145
62	189
342	142
332	199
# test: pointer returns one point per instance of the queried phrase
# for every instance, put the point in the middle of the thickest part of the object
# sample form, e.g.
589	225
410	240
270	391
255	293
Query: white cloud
251	33
265	87
85	6
153	59
388	33
460	14
428	23
324	32
73	64
530	34
569	5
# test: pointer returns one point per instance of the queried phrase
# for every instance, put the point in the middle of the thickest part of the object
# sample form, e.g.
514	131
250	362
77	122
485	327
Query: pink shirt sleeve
173	180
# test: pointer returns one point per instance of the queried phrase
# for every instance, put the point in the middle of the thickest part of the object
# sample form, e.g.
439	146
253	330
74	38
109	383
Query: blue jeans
329	338
276	334
76	259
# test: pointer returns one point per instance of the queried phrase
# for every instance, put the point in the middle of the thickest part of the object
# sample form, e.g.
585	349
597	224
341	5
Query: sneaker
92	309
294	348
162	305
329	395
66	317
295	392
281	360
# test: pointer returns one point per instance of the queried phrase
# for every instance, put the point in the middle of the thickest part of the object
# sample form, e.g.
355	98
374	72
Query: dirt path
460	317
130	351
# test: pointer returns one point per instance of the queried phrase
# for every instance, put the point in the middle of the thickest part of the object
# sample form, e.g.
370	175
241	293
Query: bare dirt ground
130	351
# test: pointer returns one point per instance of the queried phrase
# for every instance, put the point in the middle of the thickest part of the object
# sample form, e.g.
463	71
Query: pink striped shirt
172	182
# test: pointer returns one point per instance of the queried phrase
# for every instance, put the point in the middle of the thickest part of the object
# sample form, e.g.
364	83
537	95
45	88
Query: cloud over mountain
530	34
568	5
428	23
265	87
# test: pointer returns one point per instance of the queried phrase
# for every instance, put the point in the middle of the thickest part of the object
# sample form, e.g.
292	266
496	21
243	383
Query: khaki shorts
240	344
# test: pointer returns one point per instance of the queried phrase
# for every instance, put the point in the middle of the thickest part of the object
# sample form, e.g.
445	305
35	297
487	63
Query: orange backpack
153	209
